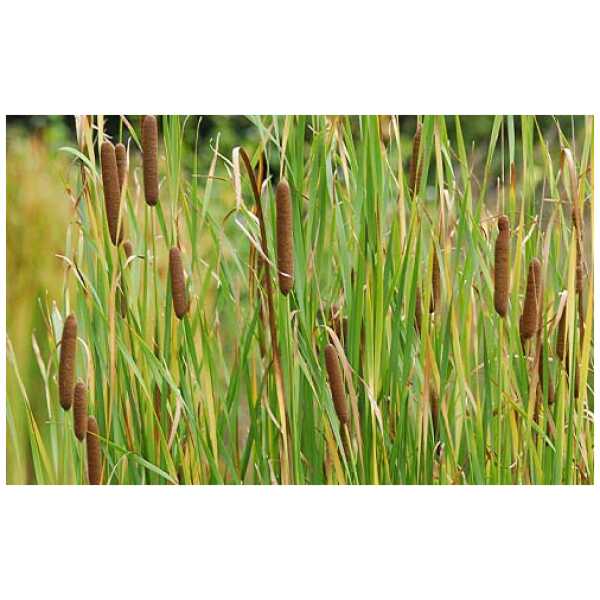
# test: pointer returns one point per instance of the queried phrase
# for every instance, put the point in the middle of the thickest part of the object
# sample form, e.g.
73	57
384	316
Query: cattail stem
178	291
112	193
94	459
66	368
336	384
80	408
531	307
150	158
501	267
285	248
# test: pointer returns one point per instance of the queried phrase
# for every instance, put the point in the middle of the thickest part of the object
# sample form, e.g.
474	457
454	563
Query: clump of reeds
150	158
531	308
415	168
66	368
121	154
501	267
178	291
94	459
285	249
436	289
112	193
80	414
336	384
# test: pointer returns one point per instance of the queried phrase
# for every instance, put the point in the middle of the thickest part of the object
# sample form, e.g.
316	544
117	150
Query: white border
263	57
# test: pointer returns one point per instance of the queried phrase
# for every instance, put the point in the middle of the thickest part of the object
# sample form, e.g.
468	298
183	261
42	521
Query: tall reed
285	248
336	384
112	193
150	158
94	458
531	307
66	369
501	267
178	290
80	411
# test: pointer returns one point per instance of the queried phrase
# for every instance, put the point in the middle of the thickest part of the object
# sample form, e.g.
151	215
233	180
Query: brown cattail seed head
66	368
531	307
150	158
336	384
93	452
285	248
112	194
80	406
414	172
501	267
121	154
435	284
178	291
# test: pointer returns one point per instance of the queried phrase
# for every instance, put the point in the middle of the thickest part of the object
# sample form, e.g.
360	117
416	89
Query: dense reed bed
349	301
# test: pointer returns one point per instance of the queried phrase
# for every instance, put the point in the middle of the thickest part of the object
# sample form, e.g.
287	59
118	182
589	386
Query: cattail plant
150	158
336	384
178	291
415	168
435	284
94	459
66	368
80	414
531	307
501	267
112	194
285	258
121	154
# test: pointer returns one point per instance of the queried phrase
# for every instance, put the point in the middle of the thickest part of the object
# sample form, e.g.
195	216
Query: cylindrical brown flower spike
80	406
150	158
112	194
435	284
336	384
121	154
285	246
94	459
66	368
531	307
414	172
178	291
501	267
